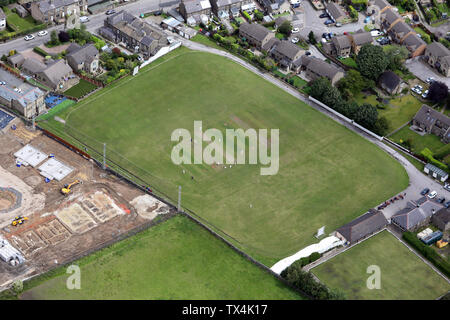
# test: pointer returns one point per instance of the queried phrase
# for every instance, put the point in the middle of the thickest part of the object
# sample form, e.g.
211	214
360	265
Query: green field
328	175
401	110
419	142
403	274
176	259
79	90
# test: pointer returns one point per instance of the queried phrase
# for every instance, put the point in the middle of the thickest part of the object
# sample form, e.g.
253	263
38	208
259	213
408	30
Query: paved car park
423	71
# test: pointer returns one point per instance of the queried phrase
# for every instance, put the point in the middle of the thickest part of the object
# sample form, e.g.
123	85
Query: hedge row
41	51
310	259
428	252
11	35
304	281
428	155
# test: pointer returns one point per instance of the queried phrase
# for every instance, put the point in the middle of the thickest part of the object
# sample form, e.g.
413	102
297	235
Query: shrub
247	16
40	51
428	154
63	36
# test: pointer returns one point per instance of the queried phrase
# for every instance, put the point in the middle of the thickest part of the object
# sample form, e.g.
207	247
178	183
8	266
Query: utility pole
179	199
104	156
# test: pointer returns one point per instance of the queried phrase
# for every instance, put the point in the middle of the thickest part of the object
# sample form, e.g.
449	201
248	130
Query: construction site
57	205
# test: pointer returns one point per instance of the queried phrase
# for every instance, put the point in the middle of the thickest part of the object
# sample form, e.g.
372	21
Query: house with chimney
195	9
137	35
316	68
56	11
255	34
83	58
434	122
438	57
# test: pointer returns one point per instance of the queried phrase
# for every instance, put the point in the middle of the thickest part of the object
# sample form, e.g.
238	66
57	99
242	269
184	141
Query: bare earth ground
61	228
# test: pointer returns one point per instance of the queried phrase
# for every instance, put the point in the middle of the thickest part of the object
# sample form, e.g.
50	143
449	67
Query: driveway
316	24
422	71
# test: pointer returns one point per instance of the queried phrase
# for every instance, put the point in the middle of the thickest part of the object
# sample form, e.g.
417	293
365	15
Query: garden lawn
17	23
419	142
200	38
349	62
81	89
401	110
403	274
328	175
176	259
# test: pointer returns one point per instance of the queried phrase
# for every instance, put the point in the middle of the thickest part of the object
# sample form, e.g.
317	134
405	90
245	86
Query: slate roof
57	71
320	67
28	94
257	31
84	53
335	10
401	29
288	49
390	16
361	38
381	4
33	66
412	216
222	3
428	116
443	215
341	42
47	5
363	226
193	6
437	49
16	59
271	43
390	80
413	42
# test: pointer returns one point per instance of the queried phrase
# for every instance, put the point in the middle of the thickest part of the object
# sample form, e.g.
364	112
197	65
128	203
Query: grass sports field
176	259
328	175
403	274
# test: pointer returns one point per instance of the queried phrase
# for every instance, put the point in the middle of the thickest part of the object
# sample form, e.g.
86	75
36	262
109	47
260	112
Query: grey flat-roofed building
436	172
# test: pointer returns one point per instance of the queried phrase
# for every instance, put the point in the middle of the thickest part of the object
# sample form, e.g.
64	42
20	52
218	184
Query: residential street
422	71
95	22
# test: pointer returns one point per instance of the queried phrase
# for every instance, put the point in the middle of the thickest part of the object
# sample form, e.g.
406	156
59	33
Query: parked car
28	37
441	200
324	15
307	53
329	21
111	11
324	35
331	35
375	33
425	191
2	83
430	80
447	204
42	33
432	194
338	24
425	94
84	19
294	40
295	30
447	186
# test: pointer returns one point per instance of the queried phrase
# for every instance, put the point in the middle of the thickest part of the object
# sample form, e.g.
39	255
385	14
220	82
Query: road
422	70
95	22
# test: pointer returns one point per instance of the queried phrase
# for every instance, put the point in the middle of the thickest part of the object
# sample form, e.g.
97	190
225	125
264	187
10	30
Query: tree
312	37
353	83
54	38
396	55
63	36
371	61
366	115
319	87
258	15
437	92
285	28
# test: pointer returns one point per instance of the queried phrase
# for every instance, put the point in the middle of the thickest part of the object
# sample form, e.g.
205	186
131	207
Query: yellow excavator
19	220
68	187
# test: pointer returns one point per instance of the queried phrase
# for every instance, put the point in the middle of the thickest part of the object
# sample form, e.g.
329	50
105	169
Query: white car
84	19
28	37
432	194
425	94
430	79
42	33
2	83
294	40
295	30
375	33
